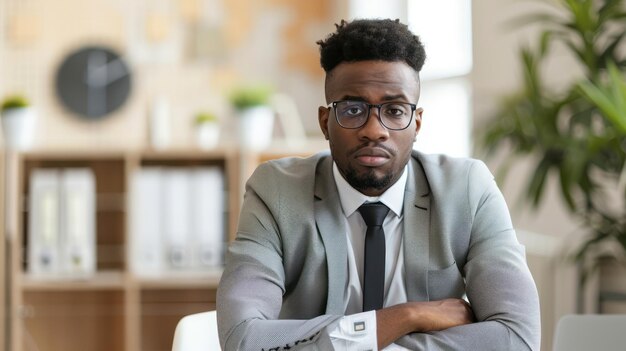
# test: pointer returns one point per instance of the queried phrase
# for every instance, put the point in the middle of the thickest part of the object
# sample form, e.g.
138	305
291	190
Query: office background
188	55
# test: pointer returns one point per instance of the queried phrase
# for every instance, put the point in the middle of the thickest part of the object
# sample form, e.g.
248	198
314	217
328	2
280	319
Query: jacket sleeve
499	285
250	293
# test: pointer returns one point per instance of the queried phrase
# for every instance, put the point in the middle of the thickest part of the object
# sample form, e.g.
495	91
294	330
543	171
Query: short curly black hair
371	39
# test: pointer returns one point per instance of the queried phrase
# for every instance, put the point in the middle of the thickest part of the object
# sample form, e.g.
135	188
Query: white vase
256	125
18	127
159	123
207	135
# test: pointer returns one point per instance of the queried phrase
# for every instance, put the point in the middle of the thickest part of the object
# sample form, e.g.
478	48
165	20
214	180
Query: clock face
93	82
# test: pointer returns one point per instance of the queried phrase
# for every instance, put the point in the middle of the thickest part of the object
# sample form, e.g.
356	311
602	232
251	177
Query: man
310	269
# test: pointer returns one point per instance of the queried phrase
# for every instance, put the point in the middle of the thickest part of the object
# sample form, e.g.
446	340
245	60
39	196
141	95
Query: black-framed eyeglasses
352	114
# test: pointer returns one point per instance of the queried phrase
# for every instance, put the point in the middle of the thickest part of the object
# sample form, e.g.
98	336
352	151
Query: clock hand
94	75
101	73
116	69
96	83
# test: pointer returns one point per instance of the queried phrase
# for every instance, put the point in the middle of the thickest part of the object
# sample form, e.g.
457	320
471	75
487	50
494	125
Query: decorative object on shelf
156	32
18	122
287	113
207	130
159	123
255	116
577	133
93	82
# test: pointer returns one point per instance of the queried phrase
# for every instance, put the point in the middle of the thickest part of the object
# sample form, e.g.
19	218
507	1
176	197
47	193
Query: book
177	227
147	255
207	216
43	222
78	223
177	219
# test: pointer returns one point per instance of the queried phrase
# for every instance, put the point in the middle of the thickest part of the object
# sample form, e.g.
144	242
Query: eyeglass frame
369	112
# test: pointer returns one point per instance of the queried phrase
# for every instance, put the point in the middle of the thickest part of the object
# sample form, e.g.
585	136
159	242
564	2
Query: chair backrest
197	332
586	332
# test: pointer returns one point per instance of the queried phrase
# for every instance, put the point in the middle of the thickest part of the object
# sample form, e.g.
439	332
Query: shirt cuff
356	332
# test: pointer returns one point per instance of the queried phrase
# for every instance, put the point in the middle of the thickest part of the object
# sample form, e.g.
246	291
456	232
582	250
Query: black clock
93	82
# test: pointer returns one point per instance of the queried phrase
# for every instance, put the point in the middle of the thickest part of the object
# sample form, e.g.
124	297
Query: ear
322	117
418	120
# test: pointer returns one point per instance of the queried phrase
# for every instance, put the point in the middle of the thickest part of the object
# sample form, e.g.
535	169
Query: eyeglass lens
354	114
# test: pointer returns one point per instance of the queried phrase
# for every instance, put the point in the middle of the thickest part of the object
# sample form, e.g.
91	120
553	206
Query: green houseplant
576	133
207	129
255	115
250	96
18	122
13	102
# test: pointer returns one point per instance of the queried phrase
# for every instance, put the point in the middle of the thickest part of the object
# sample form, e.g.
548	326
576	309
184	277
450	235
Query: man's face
371	158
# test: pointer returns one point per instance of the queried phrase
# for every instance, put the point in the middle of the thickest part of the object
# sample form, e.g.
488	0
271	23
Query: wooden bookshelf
114	309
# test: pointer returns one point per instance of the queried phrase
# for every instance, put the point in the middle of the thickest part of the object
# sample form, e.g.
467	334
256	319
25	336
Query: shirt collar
351	199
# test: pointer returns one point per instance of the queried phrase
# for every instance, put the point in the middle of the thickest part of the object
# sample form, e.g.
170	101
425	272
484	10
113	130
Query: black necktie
374	273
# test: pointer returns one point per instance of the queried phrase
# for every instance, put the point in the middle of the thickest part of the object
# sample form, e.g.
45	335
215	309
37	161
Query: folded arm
499	286
396	321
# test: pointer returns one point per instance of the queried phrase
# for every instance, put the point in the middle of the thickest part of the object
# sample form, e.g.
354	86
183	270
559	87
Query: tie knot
373	213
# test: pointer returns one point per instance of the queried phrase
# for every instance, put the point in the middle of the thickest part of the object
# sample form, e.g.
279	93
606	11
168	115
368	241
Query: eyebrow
385	98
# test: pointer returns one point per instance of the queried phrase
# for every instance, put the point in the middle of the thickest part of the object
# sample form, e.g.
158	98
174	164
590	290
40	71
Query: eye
351	109
395	110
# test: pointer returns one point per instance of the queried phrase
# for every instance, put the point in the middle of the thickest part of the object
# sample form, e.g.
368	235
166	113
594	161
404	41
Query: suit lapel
416	233
331	226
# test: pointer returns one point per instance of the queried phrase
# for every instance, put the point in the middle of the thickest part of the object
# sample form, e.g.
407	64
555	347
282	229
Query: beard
368	180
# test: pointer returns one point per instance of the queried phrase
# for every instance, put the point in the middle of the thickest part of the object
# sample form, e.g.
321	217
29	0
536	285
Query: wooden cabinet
114	309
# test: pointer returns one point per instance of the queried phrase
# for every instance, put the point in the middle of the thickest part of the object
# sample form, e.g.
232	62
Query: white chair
585	332
197	332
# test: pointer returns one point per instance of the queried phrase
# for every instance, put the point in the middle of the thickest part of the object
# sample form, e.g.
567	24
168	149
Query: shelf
183	154
182	280
161	309
74	321
108	280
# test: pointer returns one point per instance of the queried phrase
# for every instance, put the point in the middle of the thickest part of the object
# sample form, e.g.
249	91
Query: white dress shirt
357	330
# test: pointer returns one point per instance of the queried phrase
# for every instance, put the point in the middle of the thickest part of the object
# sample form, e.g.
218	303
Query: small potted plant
18	122
256	117
207	129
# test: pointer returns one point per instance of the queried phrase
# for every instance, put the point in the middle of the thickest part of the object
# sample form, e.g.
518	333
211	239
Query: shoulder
288	172
453	173
448	166
291	167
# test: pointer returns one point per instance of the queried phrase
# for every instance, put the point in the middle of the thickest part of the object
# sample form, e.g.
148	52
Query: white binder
207	216
146	222
43	222
177	226
78	222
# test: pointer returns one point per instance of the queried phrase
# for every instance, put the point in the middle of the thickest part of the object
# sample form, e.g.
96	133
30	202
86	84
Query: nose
373	129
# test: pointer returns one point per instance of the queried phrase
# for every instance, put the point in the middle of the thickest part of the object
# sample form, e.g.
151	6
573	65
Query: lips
372	156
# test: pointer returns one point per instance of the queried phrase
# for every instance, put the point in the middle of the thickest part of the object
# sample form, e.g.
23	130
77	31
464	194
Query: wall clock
93	82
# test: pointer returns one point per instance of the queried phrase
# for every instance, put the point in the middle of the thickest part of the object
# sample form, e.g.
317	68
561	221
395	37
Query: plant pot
256	125
207	135
18	127
611	285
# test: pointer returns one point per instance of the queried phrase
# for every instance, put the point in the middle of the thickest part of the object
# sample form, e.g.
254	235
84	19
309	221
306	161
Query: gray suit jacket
286	271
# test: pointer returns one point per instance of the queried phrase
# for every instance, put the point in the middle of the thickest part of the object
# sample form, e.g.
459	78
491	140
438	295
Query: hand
396	321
